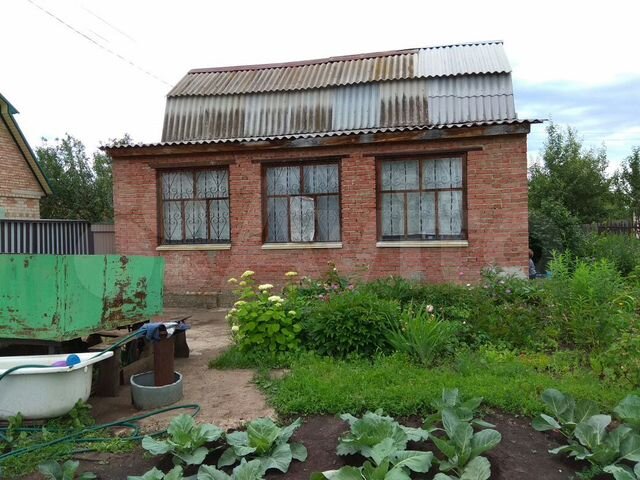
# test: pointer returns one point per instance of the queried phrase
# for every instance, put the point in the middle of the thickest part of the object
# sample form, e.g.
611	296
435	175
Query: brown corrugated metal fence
104	238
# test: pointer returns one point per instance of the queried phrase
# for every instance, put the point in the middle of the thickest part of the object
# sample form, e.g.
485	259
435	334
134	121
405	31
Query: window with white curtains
302	203
421	199
195	206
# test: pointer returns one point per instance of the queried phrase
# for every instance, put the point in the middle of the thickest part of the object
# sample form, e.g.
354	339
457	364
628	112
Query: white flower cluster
265	286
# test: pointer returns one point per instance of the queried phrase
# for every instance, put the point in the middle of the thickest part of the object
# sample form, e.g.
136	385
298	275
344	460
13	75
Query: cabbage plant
590	435
245	471
264	441
186	440
175	473
628	411
52	470
371	430
386	463
383	442
252	470
462	448
465	410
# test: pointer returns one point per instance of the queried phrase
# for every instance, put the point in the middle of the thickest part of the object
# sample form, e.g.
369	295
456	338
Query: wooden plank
108	381
143	364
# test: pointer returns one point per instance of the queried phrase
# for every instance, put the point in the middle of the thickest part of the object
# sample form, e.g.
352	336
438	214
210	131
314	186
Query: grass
328	386
234	358
57	428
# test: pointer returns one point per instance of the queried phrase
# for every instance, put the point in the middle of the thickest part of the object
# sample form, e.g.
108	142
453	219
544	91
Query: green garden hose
76	437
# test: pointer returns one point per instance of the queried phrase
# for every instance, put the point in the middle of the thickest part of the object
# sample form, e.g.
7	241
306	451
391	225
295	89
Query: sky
100	69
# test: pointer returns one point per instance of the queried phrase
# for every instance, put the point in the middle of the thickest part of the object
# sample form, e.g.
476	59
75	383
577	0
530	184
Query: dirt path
227	398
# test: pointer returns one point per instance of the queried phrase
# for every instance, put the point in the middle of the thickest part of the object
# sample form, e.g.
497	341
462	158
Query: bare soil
522	454
227	398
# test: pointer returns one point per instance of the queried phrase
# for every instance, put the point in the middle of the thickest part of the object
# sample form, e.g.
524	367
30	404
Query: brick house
22	182
409	163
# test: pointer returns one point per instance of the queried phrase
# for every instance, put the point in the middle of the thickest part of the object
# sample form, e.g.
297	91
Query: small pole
163	366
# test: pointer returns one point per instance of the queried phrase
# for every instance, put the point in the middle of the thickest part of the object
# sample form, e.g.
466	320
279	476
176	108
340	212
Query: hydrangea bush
262	321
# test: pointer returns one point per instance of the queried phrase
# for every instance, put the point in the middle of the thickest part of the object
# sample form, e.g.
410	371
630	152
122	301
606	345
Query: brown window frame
419	237
300	164
161	201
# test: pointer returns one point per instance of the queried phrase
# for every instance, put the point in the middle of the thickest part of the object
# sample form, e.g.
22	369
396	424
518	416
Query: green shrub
420	334
453	302
589	301
502	310
623	251
262	322
620	362
350	323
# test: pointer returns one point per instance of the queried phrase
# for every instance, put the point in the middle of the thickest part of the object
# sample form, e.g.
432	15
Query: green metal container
62	297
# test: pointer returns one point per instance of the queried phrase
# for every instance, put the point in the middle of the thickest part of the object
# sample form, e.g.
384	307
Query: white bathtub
45	392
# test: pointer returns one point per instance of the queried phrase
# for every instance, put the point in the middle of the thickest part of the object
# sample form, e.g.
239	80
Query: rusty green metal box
62	297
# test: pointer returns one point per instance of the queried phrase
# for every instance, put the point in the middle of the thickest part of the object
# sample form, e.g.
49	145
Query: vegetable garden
393	379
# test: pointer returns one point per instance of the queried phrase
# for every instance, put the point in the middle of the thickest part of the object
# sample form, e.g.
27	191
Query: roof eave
318	135
6	112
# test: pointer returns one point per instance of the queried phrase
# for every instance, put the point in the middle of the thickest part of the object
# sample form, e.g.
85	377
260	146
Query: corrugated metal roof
463	59
319	134
450	85
423	101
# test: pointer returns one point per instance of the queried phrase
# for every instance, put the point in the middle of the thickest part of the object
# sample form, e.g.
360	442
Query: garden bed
521	455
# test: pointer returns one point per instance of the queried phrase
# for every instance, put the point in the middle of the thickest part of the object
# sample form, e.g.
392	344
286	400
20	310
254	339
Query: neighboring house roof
7	112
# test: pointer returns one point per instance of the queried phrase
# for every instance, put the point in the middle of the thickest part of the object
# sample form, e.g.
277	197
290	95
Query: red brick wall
19	190
497	217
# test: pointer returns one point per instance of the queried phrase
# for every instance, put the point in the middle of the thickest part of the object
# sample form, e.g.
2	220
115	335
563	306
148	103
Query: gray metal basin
145	395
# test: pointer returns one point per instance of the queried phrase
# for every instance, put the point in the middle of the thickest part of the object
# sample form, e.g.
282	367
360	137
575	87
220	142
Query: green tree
571	176
82	185
627	184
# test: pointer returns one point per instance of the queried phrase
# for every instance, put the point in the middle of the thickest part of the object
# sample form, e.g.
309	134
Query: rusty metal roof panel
463	59
417	102
296	77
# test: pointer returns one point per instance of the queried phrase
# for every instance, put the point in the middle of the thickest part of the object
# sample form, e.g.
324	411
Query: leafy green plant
623	472
267	442
620	361
628	411
463	448
350	323
590	301
53	470
621	250
262	322
564	413
253	470
372	430
176	473
390	465
245	471
464	410
589	434
185	441
419	334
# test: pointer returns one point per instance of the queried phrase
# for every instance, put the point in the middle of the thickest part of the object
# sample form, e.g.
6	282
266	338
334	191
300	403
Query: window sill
424	244
193	248
300	246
